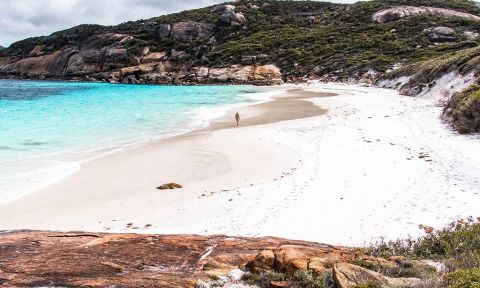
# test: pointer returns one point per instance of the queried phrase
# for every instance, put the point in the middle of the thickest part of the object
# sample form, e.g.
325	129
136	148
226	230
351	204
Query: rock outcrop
114	64
228	15
399	12
291	258
163	31
220	9
233	19
190	30
132	260
348	275
78	259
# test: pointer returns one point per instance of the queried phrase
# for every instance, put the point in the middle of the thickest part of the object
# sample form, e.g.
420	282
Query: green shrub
458	245
263	280
306	279
463	279
464	110
409	269
366	264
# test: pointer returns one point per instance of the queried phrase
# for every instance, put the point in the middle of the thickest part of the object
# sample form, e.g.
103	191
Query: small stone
235	24
278	284
427	229
116	267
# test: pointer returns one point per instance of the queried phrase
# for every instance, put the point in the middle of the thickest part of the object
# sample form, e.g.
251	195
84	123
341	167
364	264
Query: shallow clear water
40	120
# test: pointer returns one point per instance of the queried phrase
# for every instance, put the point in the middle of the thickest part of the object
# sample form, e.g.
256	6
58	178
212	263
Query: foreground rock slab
51	259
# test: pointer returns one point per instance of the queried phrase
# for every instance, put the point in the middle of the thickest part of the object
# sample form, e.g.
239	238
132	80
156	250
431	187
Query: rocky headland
423	48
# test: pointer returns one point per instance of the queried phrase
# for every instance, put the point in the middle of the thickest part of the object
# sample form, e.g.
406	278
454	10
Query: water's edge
39	171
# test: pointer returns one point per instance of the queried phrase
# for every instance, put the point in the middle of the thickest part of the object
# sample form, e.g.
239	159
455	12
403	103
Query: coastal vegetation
445	258
464	110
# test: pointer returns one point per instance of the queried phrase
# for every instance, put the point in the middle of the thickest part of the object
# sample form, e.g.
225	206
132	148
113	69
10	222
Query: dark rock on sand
169	186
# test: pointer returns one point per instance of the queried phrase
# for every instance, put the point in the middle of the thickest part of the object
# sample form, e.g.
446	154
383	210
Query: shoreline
295	179
60	165
268	110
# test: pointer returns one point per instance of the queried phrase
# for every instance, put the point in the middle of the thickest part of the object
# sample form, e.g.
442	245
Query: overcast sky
20	19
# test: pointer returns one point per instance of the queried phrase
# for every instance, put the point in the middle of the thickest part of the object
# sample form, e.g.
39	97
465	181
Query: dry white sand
348	175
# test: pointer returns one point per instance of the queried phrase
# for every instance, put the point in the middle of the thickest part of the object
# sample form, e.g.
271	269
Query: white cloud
20	19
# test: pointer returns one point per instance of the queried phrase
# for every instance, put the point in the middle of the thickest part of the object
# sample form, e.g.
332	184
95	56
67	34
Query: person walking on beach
237	118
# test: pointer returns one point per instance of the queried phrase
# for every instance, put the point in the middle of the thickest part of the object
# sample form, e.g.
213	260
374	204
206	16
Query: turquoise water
41	120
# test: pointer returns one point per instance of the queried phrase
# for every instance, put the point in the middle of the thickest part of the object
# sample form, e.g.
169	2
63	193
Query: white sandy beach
348	170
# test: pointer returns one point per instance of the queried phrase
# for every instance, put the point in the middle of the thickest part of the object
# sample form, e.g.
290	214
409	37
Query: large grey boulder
190	30
179	56
220	9
229	17
202	50
441	34
445	31
1	47
91	56
399	12
239	18
163	31
248	60
116	55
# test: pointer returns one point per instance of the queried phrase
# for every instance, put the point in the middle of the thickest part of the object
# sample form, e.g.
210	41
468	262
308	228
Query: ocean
47	128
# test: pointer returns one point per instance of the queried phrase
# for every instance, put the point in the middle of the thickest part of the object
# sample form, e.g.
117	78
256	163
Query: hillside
263	42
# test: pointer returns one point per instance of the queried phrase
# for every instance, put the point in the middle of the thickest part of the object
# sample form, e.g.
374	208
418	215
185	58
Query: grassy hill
342	41
304	39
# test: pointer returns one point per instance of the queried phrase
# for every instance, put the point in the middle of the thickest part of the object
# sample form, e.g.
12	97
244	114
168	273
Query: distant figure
237	118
